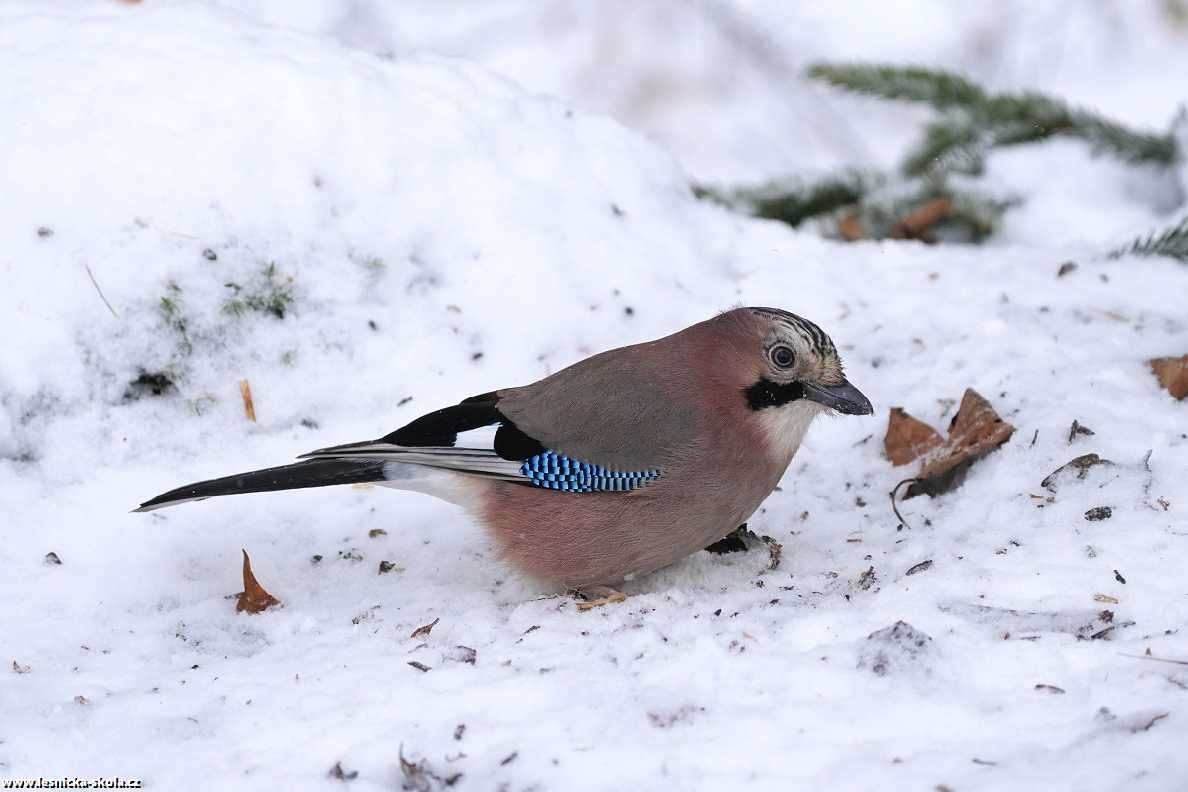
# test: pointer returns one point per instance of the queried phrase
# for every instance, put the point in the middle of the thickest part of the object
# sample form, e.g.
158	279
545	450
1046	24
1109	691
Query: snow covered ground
366	230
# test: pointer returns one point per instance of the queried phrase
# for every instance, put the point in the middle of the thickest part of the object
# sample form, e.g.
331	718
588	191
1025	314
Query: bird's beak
844	398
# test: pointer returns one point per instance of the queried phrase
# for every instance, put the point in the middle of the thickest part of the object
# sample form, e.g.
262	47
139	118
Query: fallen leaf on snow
974	432
425	629
918	224
253	598
849	227
1172	373
909	438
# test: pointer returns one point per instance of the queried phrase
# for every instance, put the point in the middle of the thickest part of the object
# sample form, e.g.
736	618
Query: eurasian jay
615	466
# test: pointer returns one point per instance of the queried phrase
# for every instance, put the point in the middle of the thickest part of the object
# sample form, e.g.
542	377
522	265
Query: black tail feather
311	473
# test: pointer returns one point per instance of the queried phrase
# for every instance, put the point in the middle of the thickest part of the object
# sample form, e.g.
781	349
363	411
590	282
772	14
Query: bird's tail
310	473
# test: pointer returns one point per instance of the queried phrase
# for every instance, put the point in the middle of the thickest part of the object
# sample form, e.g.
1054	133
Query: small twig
1156	659
245	390
99	291
895	507
1102	634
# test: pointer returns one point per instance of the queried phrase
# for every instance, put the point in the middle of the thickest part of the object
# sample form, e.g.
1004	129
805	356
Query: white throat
784	427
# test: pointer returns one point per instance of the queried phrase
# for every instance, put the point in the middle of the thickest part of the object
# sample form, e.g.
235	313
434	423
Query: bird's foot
742	539
734	542
597	596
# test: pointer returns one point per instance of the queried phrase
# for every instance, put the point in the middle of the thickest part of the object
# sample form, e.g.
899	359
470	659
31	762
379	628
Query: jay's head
793	365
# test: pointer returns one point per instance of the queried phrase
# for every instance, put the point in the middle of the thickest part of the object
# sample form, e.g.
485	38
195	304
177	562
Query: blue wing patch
551	470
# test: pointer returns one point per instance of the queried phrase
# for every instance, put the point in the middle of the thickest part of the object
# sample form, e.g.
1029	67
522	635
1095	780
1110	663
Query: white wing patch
481	439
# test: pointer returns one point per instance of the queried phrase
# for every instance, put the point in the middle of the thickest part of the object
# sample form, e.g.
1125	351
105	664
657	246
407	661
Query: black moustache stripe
766	393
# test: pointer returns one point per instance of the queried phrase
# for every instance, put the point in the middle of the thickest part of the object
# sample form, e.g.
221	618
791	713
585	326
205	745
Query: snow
412	173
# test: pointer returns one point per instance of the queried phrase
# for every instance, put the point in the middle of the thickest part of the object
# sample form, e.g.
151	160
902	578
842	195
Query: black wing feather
441	428
311	473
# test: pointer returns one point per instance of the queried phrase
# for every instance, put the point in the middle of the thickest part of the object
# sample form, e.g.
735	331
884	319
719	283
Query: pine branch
1171	242
974	121
1028	117
793	202
947	147
1127	145
914	84
867	205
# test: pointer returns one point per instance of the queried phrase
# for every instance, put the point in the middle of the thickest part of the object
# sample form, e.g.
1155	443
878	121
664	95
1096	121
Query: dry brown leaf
909	438
253	598
849	227
375	533
249	409
425	629
975	431
919	223
1172	373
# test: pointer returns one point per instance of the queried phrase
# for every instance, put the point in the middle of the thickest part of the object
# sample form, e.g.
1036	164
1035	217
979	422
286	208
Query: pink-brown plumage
703	423
715	475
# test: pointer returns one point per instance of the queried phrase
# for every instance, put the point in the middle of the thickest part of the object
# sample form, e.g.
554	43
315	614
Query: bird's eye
782	356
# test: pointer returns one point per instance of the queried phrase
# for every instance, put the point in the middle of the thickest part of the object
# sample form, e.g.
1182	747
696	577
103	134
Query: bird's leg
596	596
